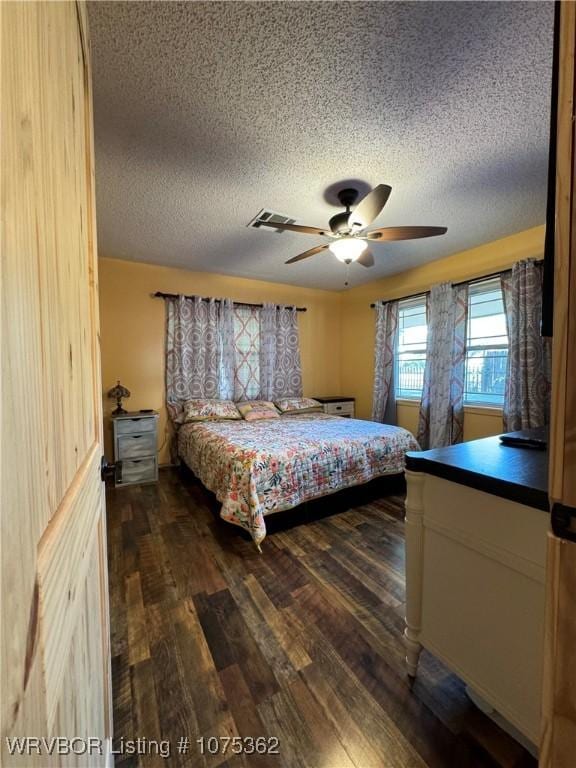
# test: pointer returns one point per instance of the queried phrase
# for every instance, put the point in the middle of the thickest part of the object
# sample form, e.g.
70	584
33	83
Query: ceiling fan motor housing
339	223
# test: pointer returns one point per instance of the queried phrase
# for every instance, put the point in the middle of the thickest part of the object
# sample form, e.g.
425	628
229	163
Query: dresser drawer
137	424
139	471
135	446
340	409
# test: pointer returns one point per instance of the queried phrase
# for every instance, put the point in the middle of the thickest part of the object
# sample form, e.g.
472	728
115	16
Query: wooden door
54	611
559	691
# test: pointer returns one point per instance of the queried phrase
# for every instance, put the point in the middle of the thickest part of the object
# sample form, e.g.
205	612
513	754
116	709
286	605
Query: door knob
112	471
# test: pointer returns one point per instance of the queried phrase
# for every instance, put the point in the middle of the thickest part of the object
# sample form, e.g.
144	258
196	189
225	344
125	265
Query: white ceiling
207	112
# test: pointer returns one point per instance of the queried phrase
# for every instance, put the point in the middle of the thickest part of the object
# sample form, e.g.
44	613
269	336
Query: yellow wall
132	330
358	320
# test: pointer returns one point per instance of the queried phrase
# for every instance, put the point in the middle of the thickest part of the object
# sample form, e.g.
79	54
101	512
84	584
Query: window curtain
280	366
200	358
383	399
527	393
441	420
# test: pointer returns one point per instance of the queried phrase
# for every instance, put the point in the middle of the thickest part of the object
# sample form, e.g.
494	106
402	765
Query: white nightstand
135	445
338	406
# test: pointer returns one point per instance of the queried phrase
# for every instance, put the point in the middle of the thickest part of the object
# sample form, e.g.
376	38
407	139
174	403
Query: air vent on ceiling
265	215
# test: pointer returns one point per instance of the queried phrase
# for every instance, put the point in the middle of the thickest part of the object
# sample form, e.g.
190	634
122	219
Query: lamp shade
119	391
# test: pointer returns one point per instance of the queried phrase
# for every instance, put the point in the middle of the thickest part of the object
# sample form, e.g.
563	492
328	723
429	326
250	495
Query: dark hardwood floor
302	643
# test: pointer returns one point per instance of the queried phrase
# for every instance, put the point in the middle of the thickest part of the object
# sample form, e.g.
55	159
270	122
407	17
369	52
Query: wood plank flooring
302	643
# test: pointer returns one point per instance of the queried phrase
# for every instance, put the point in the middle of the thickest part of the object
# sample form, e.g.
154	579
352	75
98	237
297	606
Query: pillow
252	410
176	413
209	410
303	411
289	405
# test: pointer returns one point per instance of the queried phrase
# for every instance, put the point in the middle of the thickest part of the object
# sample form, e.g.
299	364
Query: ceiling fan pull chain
347	274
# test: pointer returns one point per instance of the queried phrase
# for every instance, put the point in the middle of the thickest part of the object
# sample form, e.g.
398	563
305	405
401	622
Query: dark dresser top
134	415
334	399
515	473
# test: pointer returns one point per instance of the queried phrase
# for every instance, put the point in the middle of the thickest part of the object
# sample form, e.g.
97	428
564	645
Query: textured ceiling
207	112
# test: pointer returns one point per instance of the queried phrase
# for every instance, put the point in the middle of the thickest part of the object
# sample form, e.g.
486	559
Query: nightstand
338	406
135	445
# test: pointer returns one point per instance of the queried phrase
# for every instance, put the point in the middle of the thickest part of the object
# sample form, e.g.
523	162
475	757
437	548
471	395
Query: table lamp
118	392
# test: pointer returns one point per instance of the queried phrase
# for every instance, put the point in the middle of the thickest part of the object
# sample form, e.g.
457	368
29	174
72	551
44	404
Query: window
247	348
411	353
486	344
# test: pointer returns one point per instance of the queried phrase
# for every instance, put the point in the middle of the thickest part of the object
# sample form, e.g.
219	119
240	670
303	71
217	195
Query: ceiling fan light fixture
347	249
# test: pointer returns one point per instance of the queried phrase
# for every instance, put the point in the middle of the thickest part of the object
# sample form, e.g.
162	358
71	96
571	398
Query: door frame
558	734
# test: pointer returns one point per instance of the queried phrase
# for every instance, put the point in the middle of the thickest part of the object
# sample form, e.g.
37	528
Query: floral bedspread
259	467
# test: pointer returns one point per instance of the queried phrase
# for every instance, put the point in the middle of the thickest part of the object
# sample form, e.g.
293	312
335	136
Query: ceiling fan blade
307	254
369	207
296	228
404	233
366	259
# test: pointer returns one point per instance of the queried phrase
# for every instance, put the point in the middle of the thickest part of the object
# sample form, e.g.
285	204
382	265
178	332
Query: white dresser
135	445
476	530
338	406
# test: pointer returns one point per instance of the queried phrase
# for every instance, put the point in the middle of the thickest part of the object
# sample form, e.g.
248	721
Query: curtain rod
454	285
161	295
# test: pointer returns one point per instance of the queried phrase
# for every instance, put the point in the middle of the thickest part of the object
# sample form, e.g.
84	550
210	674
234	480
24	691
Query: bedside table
338	406
135	445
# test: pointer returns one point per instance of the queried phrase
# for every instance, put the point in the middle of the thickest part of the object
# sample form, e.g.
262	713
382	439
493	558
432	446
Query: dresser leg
413	650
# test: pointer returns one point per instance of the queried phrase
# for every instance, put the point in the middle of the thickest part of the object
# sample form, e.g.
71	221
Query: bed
258	468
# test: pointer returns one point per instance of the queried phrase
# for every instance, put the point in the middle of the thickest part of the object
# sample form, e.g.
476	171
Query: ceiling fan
347	230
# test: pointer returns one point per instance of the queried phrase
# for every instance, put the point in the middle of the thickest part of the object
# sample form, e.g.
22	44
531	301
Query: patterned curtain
383	399
441	420
280	367
215	349
199	350
527	394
